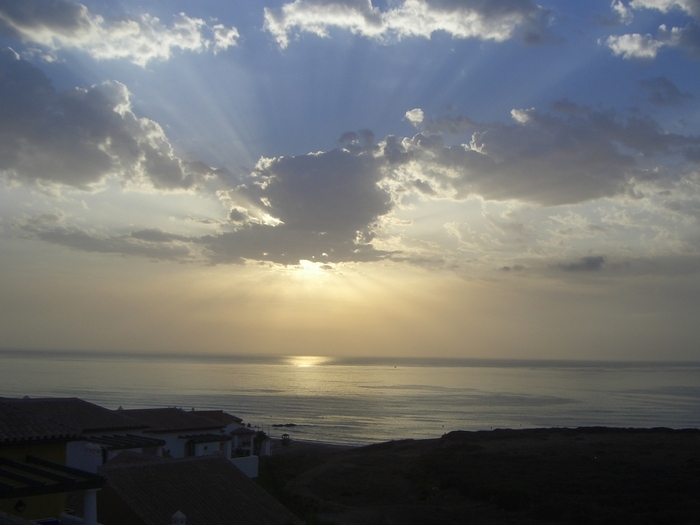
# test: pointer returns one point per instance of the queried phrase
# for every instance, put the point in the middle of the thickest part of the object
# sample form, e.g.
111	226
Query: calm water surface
370	400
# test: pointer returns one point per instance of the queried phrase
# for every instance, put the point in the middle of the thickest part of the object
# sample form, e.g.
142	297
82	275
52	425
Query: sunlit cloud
411	18
57	25
690	7
647	46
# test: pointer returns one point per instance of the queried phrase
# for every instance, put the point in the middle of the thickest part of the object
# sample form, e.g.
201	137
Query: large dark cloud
570	155
323	203
329	192
79	137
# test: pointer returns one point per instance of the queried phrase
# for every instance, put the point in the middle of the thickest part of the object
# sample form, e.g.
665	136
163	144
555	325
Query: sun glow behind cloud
390	187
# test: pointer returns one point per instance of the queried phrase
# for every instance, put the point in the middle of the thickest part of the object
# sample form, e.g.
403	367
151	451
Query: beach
591	475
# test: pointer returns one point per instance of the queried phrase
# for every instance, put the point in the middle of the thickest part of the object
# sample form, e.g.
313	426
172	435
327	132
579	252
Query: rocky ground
572	476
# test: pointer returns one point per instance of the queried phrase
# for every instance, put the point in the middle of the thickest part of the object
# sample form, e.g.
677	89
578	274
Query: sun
311	271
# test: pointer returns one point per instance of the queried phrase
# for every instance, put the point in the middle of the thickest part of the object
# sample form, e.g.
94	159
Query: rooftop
170	419
18	426
37	476
208	490
76	413
220	416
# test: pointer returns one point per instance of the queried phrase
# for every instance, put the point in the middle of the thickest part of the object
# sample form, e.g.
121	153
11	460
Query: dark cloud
359	141
56	15
688	39
330	192
585	264
288	246
423	187
78	137
571	155
316	203
236	215
664	92
151	244
156	235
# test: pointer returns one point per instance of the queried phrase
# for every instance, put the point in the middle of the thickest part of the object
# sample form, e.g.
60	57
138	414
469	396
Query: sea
369	400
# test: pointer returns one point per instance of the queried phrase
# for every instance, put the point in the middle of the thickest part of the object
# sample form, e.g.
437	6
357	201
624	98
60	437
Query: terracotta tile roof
18	426
220	416
171	419
208	490
76	413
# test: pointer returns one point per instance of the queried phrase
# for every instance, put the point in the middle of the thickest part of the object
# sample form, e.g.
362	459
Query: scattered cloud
634	45
412	18
59	24
80	137
415	116
647	46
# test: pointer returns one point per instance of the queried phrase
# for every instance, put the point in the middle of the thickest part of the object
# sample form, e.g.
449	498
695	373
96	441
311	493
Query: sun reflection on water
306	361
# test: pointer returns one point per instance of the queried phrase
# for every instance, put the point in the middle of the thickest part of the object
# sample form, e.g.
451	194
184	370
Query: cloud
300	208
647	46
621	14
414	116
79	137
585	264
152	244
412	18
691	7
634	45
58	24
569	156
663	92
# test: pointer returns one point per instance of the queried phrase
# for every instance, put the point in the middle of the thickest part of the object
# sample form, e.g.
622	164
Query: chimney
179	519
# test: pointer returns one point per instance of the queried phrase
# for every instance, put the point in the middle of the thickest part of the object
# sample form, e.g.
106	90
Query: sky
424	178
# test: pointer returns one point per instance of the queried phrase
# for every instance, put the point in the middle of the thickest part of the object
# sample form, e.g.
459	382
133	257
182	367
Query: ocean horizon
360	400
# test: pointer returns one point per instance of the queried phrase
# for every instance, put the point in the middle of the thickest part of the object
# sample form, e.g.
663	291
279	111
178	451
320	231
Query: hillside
576	476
